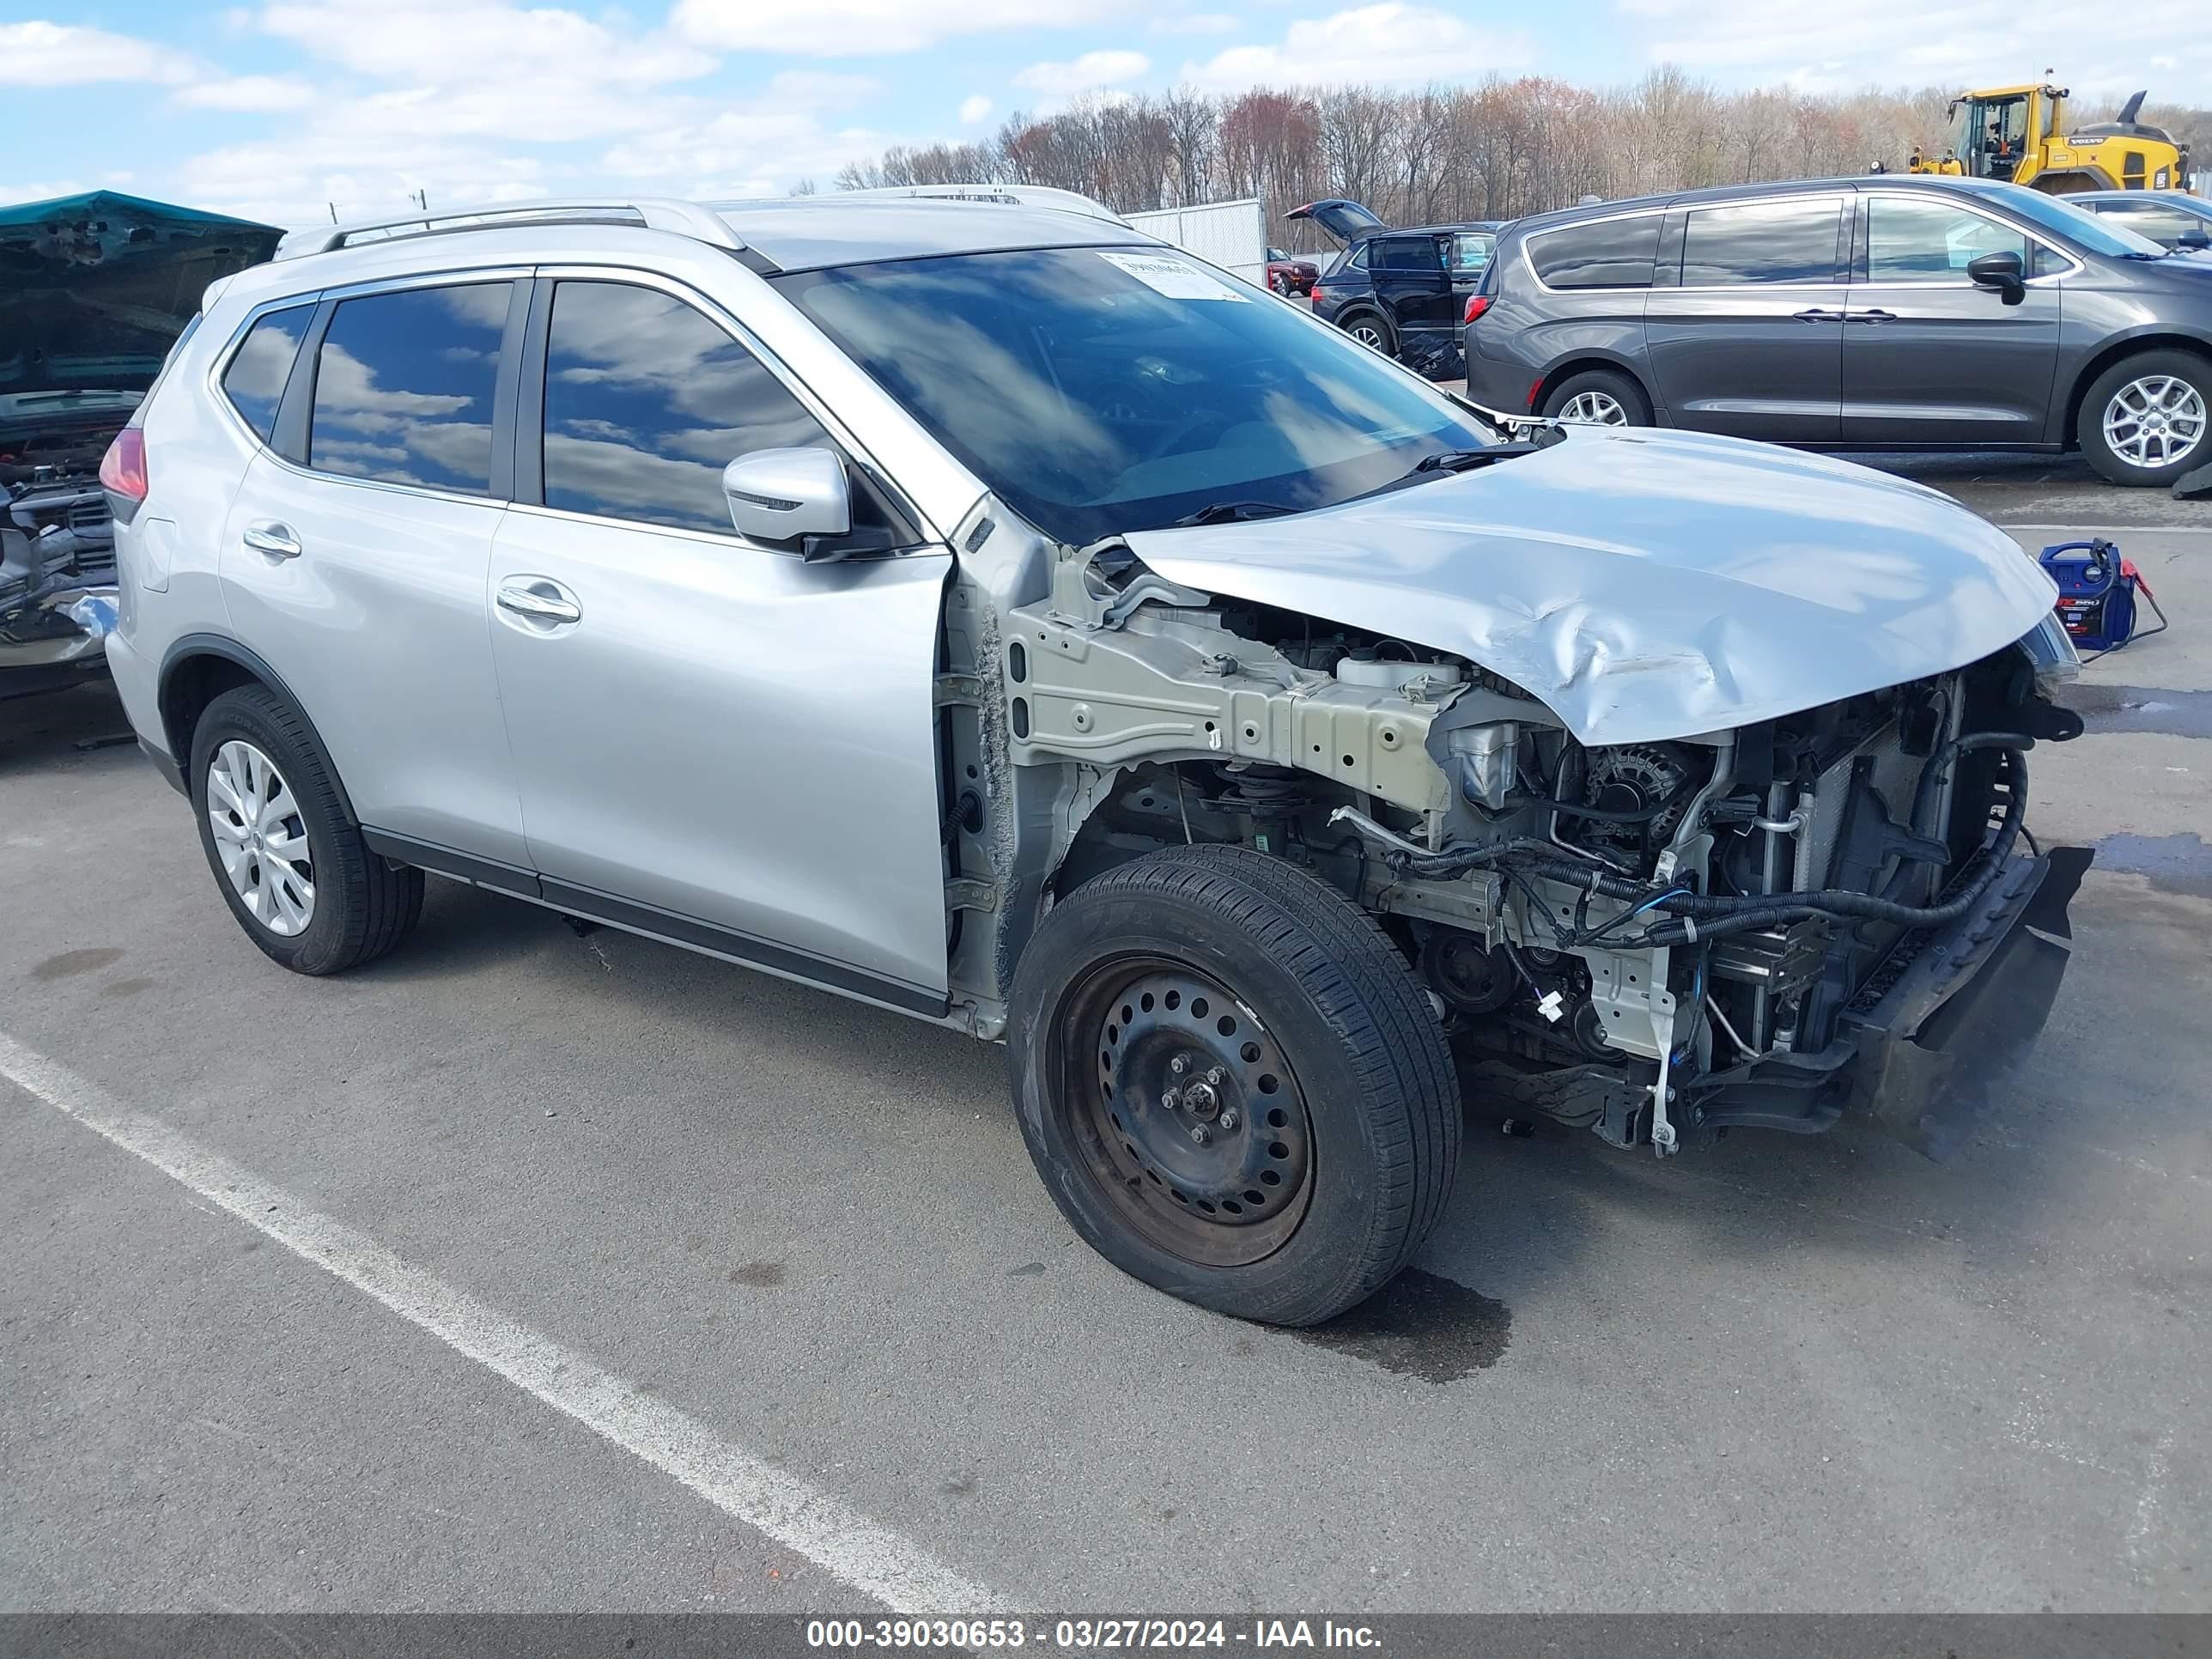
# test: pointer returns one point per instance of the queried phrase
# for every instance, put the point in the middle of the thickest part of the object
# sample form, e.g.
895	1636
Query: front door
716	740
1750	340
1930	358
360	576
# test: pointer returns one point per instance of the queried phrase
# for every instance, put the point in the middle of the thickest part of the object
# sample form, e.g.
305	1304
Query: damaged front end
1767	924
56	550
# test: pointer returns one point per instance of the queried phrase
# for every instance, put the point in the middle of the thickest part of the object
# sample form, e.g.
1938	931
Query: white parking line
798	1515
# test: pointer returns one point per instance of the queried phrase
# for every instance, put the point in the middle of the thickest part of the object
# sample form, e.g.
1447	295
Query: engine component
1470	979
1640	789
1486	758
1365	668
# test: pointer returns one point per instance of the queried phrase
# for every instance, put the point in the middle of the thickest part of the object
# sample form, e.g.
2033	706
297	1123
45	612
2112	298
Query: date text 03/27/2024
1088	1635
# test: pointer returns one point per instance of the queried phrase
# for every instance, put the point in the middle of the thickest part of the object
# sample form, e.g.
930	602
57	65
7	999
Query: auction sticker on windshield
1171	277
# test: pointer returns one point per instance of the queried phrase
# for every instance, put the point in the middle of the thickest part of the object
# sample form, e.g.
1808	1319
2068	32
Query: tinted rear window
1405	253
404	386
1760	242
1608	253
254	382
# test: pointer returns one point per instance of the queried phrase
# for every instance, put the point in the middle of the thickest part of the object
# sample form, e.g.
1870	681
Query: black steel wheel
1232	1084
1192	1122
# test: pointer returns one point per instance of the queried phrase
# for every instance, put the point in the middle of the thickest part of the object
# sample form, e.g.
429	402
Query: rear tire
1308	1143
2147	419
1372	328
1600	397
287	856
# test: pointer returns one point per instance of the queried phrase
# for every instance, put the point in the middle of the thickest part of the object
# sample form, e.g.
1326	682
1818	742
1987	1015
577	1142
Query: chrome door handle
1876	315
275	539
1816	315
532	600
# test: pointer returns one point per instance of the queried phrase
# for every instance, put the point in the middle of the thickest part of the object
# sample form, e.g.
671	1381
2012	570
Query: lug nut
1229	1118
1178	1066
1216	1077
1199	1133
1172	1099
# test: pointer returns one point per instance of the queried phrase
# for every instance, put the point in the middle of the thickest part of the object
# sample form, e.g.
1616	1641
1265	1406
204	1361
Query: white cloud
253	94
483	40
1084	73
847	28
1197	22
1889	43
974	110
43	54
1392	44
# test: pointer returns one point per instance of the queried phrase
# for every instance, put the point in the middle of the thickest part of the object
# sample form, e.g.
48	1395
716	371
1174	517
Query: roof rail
652	212
1035	196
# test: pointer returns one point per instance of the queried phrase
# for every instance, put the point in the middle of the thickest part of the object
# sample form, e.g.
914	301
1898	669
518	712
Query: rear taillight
123	473
1476	304
1315	294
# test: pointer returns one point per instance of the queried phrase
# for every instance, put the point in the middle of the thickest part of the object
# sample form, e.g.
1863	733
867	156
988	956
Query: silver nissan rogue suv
978	608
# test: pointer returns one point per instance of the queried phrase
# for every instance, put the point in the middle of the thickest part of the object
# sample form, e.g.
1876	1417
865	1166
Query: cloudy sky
276	111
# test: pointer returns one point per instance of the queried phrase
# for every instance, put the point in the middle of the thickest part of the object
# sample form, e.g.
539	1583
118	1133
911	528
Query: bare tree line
1494	149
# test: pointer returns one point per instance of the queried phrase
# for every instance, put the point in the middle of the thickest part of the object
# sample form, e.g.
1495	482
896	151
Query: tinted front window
254	382
2077	225
404	387
1609	253
2163	224
1106	390
647	400
1760	242
1930	240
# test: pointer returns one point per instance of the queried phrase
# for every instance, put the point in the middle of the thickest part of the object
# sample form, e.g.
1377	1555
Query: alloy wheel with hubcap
1370	333
261	838
2155	420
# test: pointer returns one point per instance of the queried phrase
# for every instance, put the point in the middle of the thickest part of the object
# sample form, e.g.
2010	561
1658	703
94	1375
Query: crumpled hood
1646	584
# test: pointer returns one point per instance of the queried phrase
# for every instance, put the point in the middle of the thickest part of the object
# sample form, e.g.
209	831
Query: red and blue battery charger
2097	590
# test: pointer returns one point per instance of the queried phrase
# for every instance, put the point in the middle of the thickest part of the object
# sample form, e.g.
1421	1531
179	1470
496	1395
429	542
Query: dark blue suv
1402	291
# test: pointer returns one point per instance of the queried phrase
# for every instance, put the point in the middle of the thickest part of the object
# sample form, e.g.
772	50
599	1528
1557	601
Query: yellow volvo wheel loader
2020	133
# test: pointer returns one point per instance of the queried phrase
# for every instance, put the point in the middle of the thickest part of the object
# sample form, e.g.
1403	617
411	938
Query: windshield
1100	391
2078	225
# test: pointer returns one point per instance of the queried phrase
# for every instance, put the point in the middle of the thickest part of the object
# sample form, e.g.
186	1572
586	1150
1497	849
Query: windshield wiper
1466	460
1231	512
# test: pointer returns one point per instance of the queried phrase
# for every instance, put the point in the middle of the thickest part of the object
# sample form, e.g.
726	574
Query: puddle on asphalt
1420	1325
2175	863
2142	708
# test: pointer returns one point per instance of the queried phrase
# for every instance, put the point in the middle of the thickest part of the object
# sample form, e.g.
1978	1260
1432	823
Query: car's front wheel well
2086	376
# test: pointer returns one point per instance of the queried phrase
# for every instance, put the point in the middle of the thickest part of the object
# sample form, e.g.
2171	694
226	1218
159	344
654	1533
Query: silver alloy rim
1368	335
261	838
2154	421
1594	409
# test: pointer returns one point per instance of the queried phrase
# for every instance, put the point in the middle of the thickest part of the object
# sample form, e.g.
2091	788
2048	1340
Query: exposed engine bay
57	544
1647	939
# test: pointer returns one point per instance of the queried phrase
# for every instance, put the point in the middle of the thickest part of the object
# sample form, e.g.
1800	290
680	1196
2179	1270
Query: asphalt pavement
528	1271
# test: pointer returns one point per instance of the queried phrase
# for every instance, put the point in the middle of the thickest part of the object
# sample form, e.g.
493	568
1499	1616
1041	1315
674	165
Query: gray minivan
1880	313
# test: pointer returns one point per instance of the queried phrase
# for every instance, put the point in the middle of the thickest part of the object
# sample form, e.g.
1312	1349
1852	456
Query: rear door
1747	338
716	740
1415	290
355	554
1930	358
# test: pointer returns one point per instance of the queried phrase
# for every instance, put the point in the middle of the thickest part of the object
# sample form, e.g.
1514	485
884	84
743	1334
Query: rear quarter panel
1530	332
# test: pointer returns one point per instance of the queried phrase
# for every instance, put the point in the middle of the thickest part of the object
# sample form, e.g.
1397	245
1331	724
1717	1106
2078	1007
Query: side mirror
2002	271
2194	239
797	498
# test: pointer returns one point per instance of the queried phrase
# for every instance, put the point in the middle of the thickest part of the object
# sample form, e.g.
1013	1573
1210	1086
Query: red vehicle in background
1288	276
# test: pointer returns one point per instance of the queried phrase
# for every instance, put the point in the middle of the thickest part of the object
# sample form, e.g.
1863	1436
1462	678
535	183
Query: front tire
288	857
2147	419
1231	1083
